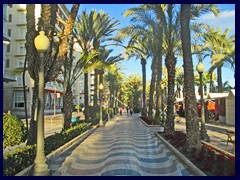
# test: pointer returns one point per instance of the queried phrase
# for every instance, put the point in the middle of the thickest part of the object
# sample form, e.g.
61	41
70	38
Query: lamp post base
101	124
41	169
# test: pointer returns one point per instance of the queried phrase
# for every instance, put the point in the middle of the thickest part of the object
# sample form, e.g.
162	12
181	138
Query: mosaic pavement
124	147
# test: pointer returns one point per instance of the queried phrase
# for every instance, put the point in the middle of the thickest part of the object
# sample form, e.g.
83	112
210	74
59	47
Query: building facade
6	41
15	57
15	19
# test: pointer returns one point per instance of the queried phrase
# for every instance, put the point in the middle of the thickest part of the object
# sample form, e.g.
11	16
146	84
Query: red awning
52	91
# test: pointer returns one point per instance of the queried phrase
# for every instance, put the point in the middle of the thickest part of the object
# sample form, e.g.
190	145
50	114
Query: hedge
14	132
18	160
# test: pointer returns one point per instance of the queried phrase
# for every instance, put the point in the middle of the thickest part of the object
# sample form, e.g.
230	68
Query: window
18	99
10	18
8	48
22	48
9	32
21	64
10	5
7	63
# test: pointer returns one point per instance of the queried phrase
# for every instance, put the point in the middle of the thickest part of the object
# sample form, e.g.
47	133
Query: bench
230	139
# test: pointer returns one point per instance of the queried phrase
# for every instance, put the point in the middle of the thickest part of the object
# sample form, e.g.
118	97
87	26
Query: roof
217	95
232	91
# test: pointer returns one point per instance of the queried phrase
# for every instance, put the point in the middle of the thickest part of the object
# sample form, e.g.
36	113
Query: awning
7	78
53	90
217	95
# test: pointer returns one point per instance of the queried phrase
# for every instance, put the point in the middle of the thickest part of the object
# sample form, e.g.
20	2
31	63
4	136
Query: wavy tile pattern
124	147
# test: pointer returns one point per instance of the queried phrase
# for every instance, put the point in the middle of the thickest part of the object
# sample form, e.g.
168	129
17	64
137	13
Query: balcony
22	7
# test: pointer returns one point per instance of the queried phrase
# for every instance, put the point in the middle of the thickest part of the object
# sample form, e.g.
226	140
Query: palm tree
193	135
52	66
152	28
132	90
219	46
171	43
91	28
137	47
103	27
179	81
113	78
72	70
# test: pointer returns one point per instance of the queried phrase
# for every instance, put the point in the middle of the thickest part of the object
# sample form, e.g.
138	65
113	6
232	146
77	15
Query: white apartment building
15	56
6	40
78	87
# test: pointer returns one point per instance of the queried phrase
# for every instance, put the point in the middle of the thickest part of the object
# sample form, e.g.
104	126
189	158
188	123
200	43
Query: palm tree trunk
68	102
143	63
170	64
152	86
86	101
33	64
158	88
192	127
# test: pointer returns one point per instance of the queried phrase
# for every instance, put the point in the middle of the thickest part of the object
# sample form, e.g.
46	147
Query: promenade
215	130
125	146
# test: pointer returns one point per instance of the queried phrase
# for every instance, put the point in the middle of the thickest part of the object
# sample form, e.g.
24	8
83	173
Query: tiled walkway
124	147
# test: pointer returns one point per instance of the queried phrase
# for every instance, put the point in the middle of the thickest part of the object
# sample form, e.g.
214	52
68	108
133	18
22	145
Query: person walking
131	111
120	110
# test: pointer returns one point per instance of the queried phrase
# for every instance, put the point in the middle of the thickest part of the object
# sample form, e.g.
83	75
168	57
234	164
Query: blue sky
132	66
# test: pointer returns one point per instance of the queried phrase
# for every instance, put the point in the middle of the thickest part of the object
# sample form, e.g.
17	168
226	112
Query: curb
65	147
148	124
191	167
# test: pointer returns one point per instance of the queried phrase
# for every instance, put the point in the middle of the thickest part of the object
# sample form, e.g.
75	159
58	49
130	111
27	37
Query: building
15	56
6	41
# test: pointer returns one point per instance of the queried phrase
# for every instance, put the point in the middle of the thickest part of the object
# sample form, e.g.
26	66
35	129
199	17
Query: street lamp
101	124
204	135
40	167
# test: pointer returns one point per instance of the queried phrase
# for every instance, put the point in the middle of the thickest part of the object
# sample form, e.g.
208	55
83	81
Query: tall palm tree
193	135
91	28
72	70
219	46
132	90
152	28
103	28
113	78
171	43
191	12
179	81
47	23
137	47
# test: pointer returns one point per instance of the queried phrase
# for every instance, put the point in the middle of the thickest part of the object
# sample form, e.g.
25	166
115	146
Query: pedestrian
127	109
120	110
131	111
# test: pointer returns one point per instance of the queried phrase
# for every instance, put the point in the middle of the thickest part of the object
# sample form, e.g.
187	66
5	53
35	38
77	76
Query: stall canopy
217	95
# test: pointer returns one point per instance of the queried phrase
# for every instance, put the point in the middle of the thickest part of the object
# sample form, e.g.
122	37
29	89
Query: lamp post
40	167
101	124
204	135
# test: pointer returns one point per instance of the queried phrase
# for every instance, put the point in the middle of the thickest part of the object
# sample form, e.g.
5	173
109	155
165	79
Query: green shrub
137	109
20	159
58	139
14	132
